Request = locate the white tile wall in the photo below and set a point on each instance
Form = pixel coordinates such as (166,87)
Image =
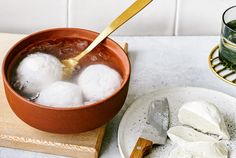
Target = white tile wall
(201,17)
(26,16)
(161,17)
(156,19)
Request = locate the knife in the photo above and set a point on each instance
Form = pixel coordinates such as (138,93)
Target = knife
(155,128)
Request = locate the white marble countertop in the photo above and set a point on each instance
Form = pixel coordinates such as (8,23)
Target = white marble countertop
(157,62)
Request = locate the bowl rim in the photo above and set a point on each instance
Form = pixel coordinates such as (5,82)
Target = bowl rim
(7,84)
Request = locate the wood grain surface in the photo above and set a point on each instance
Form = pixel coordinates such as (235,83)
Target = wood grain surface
(141,148)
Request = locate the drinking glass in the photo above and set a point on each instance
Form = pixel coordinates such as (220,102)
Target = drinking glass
(227,51)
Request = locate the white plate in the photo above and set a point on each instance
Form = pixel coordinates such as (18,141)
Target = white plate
(134,118)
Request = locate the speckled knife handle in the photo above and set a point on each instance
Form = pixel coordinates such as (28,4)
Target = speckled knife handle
(141,148)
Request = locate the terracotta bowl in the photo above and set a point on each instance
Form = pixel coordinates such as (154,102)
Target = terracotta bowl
(65,120)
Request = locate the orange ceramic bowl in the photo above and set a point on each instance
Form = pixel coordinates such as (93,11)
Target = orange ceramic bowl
(66,120)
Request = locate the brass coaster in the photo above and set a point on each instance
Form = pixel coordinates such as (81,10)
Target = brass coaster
(219,69)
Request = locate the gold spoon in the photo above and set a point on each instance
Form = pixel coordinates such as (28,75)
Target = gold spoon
(71,63)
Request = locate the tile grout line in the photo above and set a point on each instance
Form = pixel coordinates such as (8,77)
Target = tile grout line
(67,13)
(176,17)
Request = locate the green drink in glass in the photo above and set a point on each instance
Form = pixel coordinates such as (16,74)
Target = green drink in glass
(227,52)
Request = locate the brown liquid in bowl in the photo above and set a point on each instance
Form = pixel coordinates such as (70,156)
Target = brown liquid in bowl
(65,48)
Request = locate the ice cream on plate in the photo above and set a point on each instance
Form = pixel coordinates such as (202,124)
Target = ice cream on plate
(200,150)
(206,118)
(182,134)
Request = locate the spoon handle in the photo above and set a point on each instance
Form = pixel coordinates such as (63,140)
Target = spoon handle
(137,6)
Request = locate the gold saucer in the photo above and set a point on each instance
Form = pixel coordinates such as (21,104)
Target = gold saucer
(219,69)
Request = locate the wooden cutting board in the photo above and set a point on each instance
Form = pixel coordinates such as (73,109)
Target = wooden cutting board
(14,133)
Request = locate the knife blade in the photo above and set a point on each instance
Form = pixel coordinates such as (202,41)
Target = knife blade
(155,128)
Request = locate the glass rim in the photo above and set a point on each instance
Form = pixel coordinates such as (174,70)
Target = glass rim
(223,19)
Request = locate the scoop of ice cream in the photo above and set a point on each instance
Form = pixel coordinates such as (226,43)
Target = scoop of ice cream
(37,71)
(61,94)
(182,135)
(200,150)
(205,117)
(98,82)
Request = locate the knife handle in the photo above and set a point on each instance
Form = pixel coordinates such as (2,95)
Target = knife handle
(141,148)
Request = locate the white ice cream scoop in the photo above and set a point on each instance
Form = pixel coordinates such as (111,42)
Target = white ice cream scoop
(98,82)
(200,150)
(182,135)
(37,71)
(205,117)
(61,94)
